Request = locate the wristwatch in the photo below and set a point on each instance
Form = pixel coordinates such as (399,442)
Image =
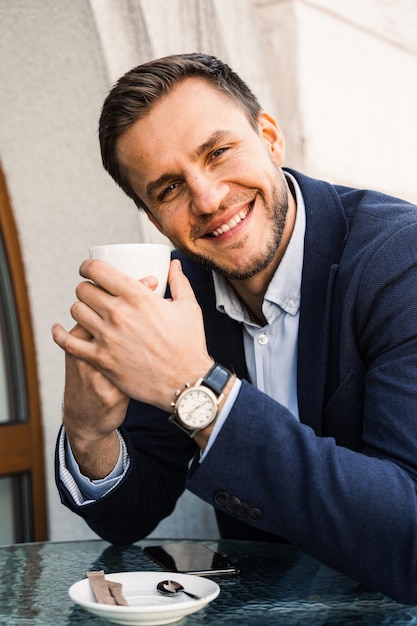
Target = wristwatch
(197,405)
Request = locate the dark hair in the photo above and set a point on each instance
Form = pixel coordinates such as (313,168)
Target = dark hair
(134,95)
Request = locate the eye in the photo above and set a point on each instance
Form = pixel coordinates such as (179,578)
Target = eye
(217,153)
(169,190)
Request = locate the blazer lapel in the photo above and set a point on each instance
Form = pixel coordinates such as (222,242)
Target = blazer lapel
(326,231)
(224,335)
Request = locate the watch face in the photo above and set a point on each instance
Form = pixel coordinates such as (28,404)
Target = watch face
(197,407)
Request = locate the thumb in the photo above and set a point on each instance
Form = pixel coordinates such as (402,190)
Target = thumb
(178,282)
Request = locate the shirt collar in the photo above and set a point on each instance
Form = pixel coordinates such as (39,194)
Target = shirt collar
(284,290)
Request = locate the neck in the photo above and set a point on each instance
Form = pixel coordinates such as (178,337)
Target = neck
(256,313)
(252,296)
(252,290)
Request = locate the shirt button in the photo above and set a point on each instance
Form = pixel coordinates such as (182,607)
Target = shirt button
(291,302)
(262,339)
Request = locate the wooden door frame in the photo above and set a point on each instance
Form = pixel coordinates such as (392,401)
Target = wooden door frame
(22,442)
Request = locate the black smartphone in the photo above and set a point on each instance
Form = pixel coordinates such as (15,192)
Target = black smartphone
(190,558)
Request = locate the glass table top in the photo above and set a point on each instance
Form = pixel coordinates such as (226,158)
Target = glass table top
(277,584)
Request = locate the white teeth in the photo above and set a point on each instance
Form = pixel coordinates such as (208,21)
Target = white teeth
(231,224)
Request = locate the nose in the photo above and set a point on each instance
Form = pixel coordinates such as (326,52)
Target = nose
(207,194)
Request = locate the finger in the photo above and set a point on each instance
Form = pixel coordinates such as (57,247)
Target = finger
(82,333)
(77,331)
(71,343)
(107,277)
(149,281)
(178,282)
(58,334)
(93,296)
(90,318)
(99,299)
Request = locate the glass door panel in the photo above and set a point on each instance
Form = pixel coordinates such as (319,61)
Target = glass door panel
(15,521)
(13,401)
(6,511)
(4,391)
(22,480)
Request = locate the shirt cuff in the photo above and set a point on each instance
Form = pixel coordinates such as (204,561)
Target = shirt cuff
(222,416)
(83,490)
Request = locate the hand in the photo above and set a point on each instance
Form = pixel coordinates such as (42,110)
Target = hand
(145,345)
(93,409)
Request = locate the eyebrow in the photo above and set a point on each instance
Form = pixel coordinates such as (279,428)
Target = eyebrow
(217,137)
(154,185)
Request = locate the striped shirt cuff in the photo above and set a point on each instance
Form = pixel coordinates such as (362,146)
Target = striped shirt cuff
(81,489)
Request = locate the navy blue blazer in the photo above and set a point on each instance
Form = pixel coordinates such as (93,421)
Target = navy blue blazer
(341,482)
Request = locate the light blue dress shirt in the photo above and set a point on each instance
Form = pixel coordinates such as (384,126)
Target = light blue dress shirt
(270,353)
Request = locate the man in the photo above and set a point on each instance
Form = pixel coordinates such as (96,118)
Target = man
(305,289)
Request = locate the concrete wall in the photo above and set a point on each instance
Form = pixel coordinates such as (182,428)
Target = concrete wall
(345,87)
(339,77)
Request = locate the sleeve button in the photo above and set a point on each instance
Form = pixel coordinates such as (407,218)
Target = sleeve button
(221,498)
(234,504)
(254,515)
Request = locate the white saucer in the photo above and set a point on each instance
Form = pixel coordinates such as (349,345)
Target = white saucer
(147,607)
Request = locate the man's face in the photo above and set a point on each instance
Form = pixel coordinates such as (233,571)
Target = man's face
(212,182)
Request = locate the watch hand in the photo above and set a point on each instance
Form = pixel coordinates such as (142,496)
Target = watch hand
(196,408)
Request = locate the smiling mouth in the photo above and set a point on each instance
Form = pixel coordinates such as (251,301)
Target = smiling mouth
(232,223)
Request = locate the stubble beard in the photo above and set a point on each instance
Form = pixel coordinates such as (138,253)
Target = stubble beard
(277,212)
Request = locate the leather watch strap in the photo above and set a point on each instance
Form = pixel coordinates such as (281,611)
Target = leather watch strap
(216,378)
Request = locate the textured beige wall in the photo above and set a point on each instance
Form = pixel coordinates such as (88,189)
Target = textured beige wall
(347,102)
(339,77)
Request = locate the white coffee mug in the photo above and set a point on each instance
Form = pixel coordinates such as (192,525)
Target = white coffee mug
(137,260)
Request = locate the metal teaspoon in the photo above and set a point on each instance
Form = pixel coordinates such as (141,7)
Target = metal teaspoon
(171,587)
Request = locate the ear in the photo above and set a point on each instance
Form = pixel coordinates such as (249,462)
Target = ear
(273,137)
